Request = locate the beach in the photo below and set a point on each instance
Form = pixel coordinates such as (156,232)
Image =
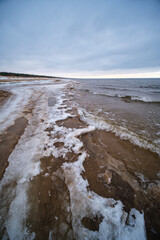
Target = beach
(79,159)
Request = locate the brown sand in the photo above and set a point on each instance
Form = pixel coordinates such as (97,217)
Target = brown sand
(4,96)
(9,140)
(114,177)
(49,196)
(110,170)
(11,136)
(110,174)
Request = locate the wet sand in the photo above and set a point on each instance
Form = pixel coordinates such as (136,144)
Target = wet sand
(110,173)
(111,169)
(4,96)
(9,140)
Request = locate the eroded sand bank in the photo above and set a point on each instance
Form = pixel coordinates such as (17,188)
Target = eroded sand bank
(68,180)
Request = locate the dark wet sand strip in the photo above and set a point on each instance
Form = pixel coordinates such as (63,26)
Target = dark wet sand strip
(9,140)
(50,202)
(4,96)
(110,170)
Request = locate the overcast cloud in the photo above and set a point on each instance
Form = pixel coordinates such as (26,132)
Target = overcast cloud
(78,36)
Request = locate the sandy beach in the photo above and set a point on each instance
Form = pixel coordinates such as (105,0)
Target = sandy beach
(64,178)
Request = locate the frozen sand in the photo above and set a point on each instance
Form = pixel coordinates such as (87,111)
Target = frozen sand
(49,188)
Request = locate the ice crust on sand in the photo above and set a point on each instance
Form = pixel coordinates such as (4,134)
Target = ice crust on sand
(12,109)
(88,204)
(26,81)
(67,136)
(85,203)
(21,95)
(24,164)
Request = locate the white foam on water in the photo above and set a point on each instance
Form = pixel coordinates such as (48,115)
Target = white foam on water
(121,132)
(144,99)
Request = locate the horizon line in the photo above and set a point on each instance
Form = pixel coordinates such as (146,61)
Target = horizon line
(70,76)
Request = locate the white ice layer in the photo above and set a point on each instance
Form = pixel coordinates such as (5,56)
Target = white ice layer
(17,82)
(88,204)
(1,77)
(83,202)
(12,109)
(24,164)
(21,96)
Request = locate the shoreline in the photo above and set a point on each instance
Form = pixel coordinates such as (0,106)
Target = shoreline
(74,151)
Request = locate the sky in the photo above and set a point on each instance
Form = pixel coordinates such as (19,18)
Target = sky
(81,38)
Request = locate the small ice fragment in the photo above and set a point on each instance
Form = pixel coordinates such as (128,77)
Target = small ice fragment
(51,235)
(22,180)
(100,110)
(158,174)
(49,193)
(46,174)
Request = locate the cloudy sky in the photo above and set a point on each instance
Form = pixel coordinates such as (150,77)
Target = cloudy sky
(88,38)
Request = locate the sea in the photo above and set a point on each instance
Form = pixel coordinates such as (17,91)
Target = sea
(129,107)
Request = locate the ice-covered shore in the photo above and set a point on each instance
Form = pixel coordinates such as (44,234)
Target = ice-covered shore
(39,141)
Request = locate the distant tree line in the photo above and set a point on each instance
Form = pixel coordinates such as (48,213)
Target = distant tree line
(10,74)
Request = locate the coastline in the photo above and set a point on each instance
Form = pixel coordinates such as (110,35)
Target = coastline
(82,173)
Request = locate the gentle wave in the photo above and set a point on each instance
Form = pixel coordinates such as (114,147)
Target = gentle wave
(120,89)
(121,132)
(139,99)
(150,86)
(141,90)
(126,98)
(115,88)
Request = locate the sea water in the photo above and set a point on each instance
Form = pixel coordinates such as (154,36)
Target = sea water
(128,107)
